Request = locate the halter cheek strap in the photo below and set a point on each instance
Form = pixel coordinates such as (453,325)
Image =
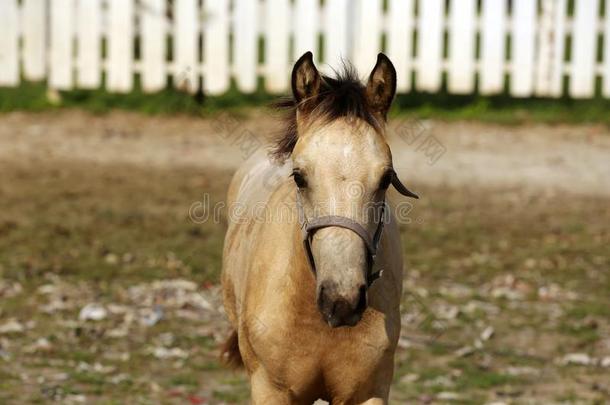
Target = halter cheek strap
(309,227)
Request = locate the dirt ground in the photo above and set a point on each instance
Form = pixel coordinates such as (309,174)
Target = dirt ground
(109,290)
(561,158)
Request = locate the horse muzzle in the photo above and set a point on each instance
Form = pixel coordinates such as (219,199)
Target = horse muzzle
(340,309)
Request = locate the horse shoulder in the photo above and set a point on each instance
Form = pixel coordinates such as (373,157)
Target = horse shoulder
(250,189)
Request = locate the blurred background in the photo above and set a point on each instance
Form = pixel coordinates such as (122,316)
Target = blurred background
(122,121)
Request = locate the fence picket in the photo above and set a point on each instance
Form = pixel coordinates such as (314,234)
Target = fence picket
(582,75)
(62,44)
(34,22)
(306,17)
(544,61)
(462,17)
(606,62)
(216,47)
(120,45)
(88,36)
(400,34)
(153,42)
(186,32)
(559,37)
(367,35)
(9,43)
(276,45)
(336,46)
(429,45)
(493,35)
(245,53)
(522,48)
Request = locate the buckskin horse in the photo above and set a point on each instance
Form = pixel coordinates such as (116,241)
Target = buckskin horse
(312,318)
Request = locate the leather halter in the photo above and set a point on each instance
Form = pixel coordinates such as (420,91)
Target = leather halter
(309,227)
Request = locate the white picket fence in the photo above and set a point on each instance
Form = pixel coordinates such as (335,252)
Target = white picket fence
(530,46)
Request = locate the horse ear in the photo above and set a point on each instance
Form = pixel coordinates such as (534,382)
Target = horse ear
(381,86)
(305,81)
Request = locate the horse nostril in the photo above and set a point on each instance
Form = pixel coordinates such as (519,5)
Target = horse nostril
(341,309)
(361,306)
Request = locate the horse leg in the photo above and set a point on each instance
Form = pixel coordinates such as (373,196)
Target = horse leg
(264,392)
(379,395)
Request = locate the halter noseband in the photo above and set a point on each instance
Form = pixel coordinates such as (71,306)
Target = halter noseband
(309,227)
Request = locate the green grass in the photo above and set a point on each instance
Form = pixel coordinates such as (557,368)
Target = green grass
(87,378)
(235,391)
(472,376)
(187,379)
(501,109)
(33,97)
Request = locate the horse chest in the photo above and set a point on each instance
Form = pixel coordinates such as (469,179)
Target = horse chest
(306,354)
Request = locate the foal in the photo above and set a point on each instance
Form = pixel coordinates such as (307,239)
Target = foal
(312,317)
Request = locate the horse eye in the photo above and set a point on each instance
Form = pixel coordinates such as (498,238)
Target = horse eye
(299,180)
(385,181)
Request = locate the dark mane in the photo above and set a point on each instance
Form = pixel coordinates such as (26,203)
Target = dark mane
(340,96)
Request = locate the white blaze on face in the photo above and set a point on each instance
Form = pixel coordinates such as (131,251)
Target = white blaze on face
(347,151)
